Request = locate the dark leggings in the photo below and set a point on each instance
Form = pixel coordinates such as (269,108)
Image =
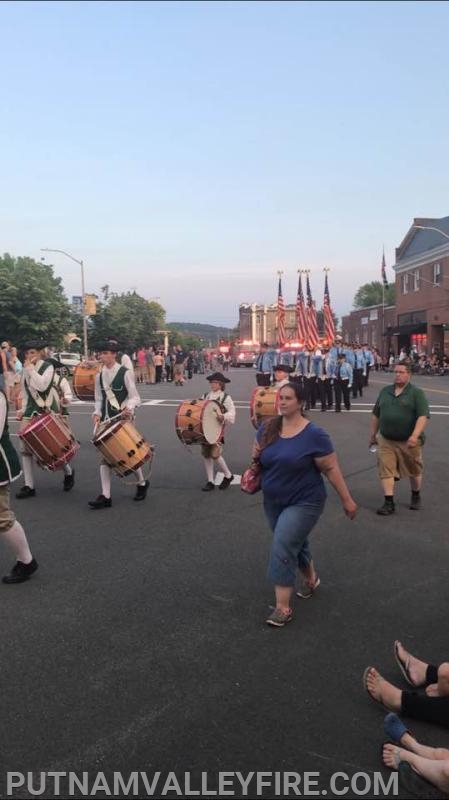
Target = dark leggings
(427,709)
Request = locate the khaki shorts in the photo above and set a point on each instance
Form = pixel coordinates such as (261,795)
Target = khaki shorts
(7,517)
(211,450)
(398,460)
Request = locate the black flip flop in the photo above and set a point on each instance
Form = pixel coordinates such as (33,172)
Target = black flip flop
(402,665)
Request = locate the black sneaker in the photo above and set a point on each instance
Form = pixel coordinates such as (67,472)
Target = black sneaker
(415,502)
(386,509)
(21,572)
(100,502)
(226,482)
(69,481)
(25,492)
(208,487)
(141,491)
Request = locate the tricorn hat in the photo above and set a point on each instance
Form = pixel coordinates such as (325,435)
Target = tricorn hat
(35,344)
(110,345)
(218,376)
(284,367)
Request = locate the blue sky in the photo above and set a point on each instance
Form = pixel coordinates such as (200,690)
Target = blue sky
(190,150)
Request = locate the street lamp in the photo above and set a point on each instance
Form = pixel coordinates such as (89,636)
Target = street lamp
(51,250)
(431,228)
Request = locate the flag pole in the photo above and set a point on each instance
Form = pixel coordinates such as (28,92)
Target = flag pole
(383,307)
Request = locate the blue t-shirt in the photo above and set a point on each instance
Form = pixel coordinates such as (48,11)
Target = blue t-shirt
(289,473)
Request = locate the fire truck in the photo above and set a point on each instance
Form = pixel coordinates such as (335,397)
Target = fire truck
(244,353)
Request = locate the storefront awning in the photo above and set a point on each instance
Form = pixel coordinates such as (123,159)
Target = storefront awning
(407,330)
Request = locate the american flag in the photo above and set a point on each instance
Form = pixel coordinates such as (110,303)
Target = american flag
(281,316)
(301,317)
(329,324)
(383,270)
(312,325)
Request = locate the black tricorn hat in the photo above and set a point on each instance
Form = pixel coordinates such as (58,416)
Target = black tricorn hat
(110,345)
(35,344)
(284,367)
(218,376)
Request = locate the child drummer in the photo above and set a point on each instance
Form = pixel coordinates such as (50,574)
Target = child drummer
(225,413)
(115,396)
(10,529)
(38,395)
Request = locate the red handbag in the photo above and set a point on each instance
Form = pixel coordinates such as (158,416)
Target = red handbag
(251,481)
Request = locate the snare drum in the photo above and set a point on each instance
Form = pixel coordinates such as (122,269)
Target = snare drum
(122,447)
(84,380)
(50,440)
(197,422)
(264,404)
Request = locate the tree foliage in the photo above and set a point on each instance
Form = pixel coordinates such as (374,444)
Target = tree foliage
(127,317)
(32,301)
(370,294)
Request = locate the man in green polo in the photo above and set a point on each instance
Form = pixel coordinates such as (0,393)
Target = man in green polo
(397,426)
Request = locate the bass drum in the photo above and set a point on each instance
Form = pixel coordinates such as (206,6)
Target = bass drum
(50,440)
(264,404)
(197,422)
(122,446)
(84,380)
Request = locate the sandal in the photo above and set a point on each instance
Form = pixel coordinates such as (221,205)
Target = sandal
(403,665)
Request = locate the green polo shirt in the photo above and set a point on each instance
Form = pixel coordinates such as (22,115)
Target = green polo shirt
(397,415)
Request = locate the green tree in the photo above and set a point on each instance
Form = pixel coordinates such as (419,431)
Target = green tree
(370,294)
(32,301)
(127,317)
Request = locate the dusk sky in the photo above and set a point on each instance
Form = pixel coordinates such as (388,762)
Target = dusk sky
(190,150)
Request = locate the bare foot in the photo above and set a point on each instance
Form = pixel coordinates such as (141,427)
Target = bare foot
(381,690)
(413,670)
(392,756)
(432,690)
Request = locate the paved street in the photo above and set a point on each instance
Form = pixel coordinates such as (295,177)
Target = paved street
(140,645)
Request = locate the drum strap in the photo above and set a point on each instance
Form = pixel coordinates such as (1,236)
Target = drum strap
(112,400)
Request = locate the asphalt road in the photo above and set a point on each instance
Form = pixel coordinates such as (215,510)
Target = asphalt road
(140,645)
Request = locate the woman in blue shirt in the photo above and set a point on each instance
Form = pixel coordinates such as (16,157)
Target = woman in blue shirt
(294,453)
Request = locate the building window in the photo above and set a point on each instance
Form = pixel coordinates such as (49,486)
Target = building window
(405,283)
(416,277)
(437,274)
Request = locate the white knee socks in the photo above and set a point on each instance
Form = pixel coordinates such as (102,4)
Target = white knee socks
(140,478)
(27,466)
(221,463)
(209,465)
(105,477)
(17,542)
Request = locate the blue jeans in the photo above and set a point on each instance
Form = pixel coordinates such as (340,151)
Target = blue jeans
(291,526)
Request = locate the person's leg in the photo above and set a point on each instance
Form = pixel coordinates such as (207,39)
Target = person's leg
(434,771)
(293,526)
(439,688)
(338,394)
(221,464)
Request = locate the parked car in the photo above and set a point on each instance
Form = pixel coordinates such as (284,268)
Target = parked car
(69,362)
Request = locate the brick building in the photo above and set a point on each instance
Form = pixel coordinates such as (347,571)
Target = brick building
(422,286)
(373,325)
(259,323)
(420,317)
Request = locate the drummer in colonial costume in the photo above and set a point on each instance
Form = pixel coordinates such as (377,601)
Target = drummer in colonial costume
(225,413)
(115,396)
(38,395)
(10,529)
(281,375)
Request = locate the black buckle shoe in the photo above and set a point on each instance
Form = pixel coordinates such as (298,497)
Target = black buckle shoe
(69,481)
(21,572)
(100,502)
(226,482)
(208,487)
(25,492)
(141,491)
